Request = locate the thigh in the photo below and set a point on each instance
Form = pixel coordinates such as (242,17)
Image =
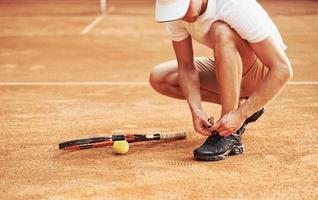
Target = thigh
(168,72)
(206,69)
(253,78)
(250,80)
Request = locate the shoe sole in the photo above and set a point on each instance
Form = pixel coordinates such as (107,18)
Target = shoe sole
(235,150)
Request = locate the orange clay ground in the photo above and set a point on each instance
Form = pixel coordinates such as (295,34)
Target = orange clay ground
(40,41)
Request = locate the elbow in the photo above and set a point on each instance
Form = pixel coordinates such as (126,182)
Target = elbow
(285,72)
(288,71)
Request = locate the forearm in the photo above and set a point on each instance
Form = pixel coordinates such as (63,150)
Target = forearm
(190,85)
(188,75)
(272,84)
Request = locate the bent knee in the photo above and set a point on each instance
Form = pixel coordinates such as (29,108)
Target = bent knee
(158,77)
(285,71)
(164,75)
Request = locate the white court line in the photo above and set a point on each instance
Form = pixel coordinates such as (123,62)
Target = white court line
(71,83)
(89,27)
(302,83)
(109,83)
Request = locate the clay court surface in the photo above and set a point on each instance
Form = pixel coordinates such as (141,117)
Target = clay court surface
(58,84)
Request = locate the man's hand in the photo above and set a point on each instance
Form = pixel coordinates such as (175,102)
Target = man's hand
(228,124)
(201,123)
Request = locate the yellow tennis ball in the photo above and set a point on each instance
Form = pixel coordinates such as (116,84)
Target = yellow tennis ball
(121,147)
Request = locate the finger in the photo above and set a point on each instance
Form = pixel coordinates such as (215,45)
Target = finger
(217,126)
(204,132)
(207,124)
(211,120)
(228,133)
(225,133)
(207,133)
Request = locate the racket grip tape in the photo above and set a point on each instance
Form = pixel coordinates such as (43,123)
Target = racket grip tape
(173,136)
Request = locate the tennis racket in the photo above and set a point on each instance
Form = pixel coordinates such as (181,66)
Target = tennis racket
(96,142)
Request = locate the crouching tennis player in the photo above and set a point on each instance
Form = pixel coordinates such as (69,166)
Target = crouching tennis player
(249,68)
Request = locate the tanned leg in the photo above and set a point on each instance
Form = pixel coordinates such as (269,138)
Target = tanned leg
(229,49)
(232,52)
(164,79)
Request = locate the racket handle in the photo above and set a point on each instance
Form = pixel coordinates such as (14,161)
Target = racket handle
(173,136)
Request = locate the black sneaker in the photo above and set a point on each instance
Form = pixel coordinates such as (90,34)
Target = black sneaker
(217,147)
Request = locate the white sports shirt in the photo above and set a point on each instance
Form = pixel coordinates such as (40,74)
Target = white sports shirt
(246,17)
